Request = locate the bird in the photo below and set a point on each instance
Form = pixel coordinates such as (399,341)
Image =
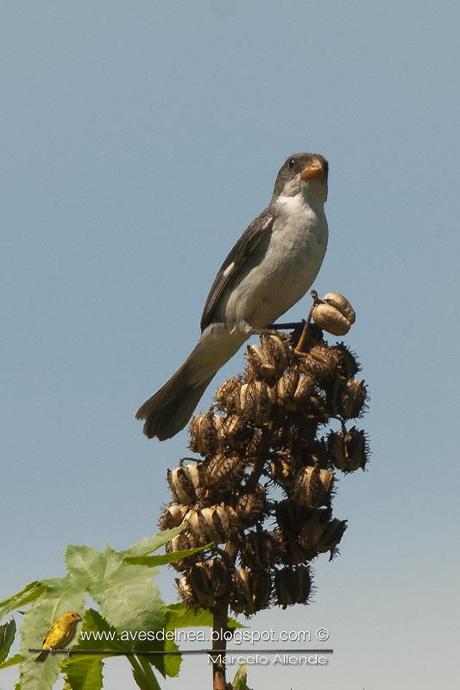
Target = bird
(268,270)
(59,634)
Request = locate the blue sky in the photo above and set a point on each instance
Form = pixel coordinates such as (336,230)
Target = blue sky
(138,140)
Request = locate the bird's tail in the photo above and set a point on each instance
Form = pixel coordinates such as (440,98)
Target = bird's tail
(42,656)
(170,408)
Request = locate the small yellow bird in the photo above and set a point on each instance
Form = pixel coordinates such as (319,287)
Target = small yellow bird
(60,633)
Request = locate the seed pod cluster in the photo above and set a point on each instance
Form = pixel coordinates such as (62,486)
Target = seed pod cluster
(270,463)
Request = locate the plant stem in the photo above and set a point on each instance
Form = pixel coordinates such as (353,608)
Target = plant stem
(219,644)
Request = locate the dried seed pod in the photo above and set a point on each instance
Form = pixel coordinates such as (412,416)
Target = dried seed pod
(219,576)
(292,585)
(348,449)
(342,305)
(278,348)
(254,401)
(249,507)
(312,487)
(214,523)
(172,516)
(205,583)
(185,590)
(296,430)
(226,394)
(223,471)
(282,470)
(290,516)
(320,534)
(183,483)
(320,361)
(234,432)
(293,389)
(330,319)
(258,550)
(201,585)
(352,399)
(317,408)
(286,388)
(348,365)
(204,430)
(183,541)
(251,591)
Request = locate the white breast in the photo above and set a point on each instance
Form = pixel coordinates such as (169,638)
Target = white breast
(286,268)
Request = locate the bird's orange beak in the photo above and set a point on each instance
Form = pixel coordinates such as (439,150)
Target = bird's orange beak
(315,170)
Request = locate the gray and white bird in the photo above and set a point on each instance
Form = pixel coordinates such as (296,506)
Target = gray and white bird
(269,269)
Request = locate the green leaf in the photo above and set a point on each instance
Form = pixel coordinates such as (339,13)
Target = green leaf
(143,674)
(85,672)
(7,633)
(61,595)
(30,592)
(12,661)
(86,565)
(181,616)
(128,598)
(153,543)
(164,559)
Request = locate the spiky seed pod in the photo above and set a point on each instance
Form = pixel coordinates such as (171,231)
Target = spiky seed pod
(312,487)
(254,401)
(223,471)
(204,432)
(348,449)
(316,453)
(293,389)
(219,576)
(181,542)
(280,349)
(341,303)
(290,516)
(249,507)
(234,432)
(292,585)
(269,359)
(259,365)
(320,361)
(201,585)
(317,408)
(282,470)
(225,394)
(205,583)
(214,523)
(258,550)
(172,516)
(186,482)
(320,534)
(348,365)
(286,388)
(251,591)
(297,430)
(304,389)
(185,590)
(352,399)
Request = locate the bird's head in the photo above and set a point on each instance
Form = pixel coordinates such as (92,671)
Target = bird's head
(304,173)
(71,617)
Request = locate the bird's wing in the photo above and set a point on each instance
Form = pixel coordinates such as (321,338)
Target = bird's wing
(50,634)
(235,260)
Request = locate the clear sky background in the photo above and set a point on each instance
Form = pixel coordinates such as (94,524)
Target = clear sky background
(138,139)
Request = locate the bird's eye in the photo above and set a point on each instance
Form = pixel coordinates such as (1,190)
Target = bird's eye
(291,163)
